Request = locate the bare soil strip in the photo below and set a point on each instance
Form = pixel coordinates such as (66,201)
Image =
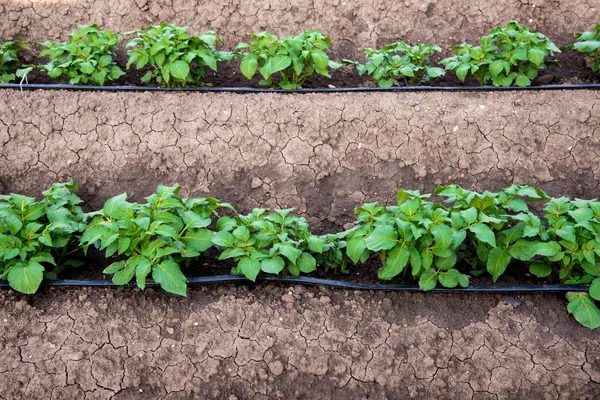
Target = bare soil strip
(275,341)
(323,154)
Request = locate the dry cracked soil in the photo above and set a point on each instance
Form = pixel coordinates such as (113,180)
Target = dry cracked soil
(324,155)
(276,341)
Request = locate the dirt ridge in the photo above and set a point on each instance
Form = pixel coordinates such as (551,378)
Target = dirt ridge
(277,341)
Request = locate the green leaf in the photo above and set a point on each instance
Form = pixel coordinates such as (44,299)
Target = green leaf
(449,278)
(223,239)
(248,66)
(13,222)
(170,278)
(306,263)
(445,263)
(567,232)
(273,265)
(86,68)
(595,289)
(540,270)
(290,252)
(26,278)
(123,276)
(114,267)
(198,239)
(180,70)
(483,233)
(442,235)
(435,72)
(587,46)
(523,250)
(536,56)
(384,237)
(547,249)
(320,59)
(461,72)
(498,260)
(428,280)
(522,81)
(113,207)
(280,63)
(583,308)
(469,215)
(415,261)
(250,267)
(496,67)
(142,270)
(355,247)
(315,243)
(395,262)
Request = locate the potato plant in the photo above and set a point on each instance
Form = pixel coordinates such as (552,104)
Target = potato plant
(588,43)
(294,59)
(508,55)
(154,238)
(400,62)
(38,238)
(85,58)
(272,243)
(498,226)
(9,60)
(176,57)
(416,233)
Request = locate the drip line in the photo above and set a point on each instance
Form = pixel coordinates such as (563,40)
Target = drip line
(307,280)
(35,86)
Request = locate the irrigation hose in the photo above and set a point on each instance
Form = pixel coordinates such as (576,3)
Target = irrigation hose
(34,86)
(334,283)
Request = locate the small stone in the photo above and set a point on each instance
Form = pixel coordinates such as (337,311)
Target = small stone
(276,368)
(256,183)
(195,324)
(170,331)
(511,301)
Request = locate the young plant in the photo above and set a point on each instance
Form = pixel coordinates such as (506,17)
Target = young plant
(37,237)
(272,243)
(295,59)
(85,58)
(588,43)
(497,227)
(574,226)
(417,232)
(154,237)
(509,55)
(9,60)
(399,61)
(176,57)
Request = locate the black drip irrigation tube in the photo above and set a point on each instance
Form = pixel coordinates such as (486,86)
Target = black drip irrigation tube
(307,280)
(35,86)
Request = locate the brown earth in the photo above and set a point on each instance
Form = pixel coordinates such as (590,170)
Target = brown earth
(273,341)
(323,154)
(352,24)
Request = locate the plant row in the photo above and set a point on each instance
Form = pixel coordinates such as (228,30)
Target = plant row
(469,234)
(171,57)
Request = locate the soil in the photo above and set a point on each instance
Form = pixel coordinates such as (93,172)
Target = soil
(273,341)
(323,154)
